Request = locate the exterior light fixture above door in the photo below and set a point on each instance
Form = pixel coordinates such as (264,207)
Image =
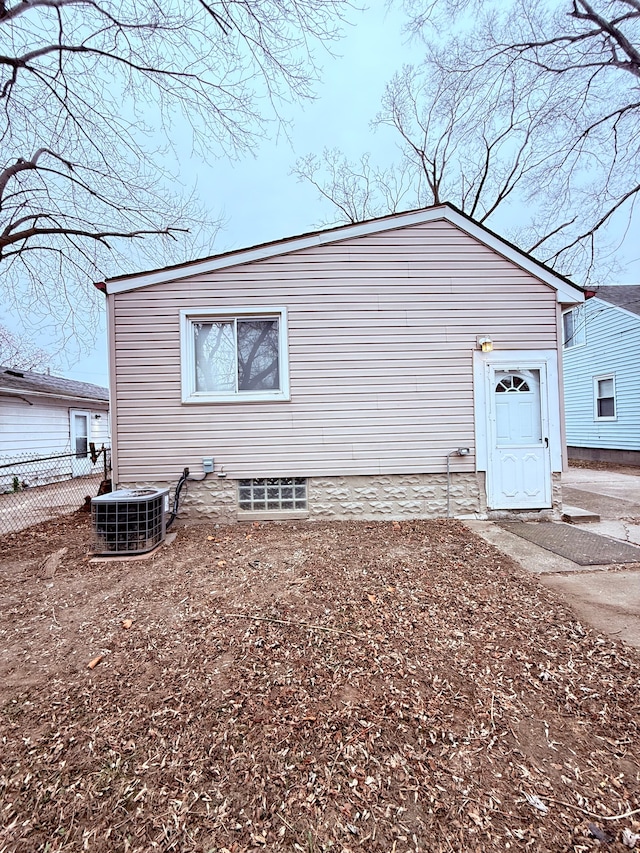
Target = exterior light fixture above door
(484,343)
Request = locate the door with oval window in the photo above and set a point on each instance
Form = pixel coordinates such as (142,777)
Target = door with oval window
(519,470)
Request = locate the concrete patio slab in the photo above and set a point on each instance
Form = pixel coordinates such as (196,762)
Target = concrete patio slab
(610,601)
(605,596)
(575,515)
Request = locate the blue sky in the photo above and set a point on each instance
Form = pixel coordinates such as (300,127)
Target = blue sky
(258,197)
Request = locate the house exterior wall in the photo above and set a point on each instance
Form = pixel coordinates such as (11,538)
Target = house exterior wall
(43,429)
(612,347)
(100,429)
(381,334)
(39,429)
(364,498)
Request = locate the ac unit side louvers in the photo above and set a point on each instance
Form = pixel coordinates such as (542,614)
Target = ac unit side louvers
(128,521)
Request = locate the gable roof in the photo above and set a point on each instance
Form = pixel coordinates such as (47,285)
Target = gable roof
(26,382)
(567,291)
(622,296)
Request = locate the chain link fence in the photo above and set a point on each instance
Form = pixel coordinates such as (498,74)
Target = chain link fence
(34,489)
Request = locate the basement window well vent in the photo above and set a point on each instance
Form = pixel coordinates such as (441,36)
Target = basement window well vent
(278,494)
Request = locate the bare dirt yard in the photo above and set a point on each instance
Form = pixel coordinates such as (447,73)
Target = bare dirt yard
(306,687)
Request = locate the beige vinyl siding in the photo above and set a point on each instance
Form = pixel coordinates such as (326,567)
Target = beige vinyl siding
(381,332)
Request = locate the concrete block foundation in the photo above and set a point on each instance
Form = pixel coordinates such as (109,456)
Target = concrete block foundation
(391,497)
(369,498)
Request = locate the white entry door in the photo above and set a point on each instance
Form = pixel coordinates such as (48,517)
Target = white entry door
(80,426)
(519,465)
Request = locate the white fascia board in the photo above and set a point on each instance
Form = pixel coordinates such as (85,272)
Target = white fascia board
(566,293)
(271,250)
(569,296)
(88,401)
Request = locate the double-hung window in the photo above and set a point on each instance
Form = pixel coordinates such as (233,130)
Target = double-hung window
(604,389)
(573,328)
(234,354)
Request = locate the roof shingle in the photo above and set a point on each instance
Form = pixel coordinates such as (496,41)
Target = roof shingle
(622,295)
(25,381)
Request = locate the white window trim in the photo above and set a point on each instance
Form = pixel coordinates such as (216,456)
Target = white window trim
(597,379)
(579,340)
(189,316)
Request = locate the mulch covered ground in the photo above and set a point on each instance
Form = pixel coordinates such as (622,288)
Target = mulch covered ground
(310,687)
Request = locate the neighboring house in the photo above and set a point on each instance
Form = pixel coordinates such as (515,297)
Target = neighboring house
(602,375)
(45,416)
(338,373)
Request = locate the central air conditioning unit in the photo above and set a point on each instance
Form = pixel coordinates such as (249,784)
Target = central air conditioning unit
(129,521)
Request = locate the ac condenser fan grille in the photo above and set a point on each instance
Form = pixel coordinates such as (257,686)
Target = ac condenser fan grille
(128,521)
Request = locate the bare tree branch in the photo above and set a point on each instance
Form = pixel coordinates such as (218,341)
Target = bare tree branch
(524,110)
(96,88)
(20,353)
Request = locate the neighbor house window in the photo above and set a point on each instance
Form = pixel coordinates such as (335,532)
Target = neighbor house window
(272,493)
(573,333)
(605,397)
(234,354)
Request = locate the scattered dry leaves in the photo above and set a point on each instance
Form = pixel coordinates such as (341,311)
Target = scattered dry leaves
(307,687)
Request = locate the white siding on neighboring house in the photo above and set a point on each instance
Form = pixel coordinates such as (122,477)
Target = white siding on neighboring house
(99,427)
(44,427)
(36,437)
(612,348)
(39,429)
(381,334)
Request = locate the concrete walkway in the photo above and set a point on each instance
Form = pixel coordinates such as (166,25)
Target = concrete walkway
(605,596)
(613,495)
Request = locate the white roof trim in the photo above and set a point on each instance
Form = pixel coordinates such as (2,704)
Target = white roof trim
(27,392)
(566,293)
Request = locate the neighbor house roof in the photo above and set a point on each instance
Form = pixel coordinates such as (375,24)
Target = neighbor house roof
(622,295)
(567,291)
(26,383)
